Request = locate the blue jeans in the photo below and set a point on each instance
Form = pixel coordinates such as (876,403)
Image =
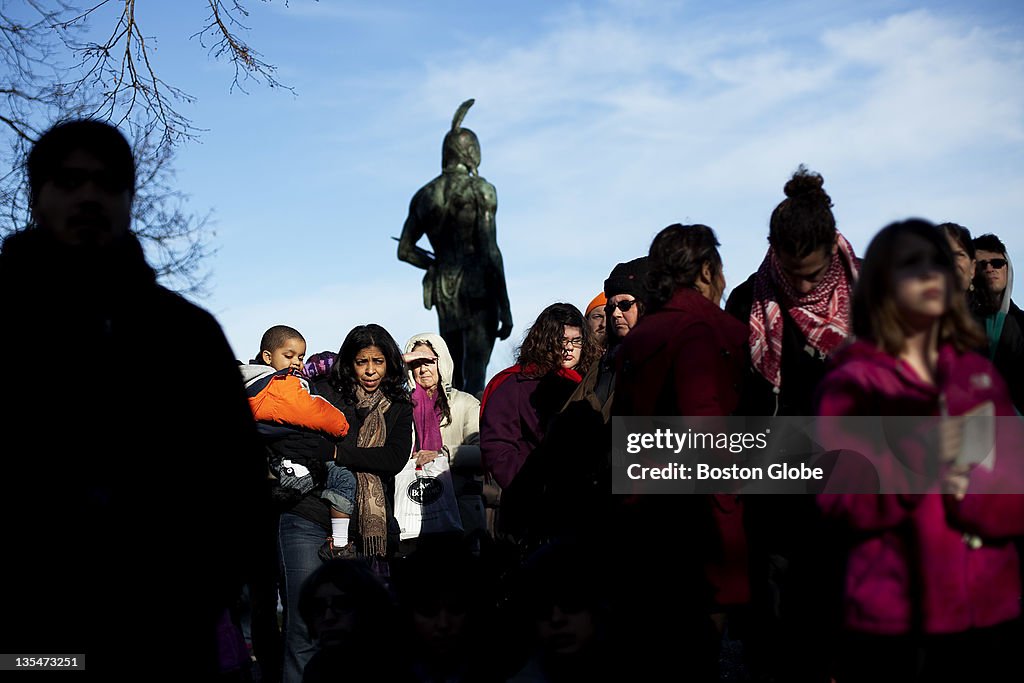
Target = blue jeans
(298,541)
(340,491)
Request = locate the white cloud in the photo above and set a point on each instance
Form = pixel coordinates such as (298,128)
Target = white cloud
(601,125)
(609,123)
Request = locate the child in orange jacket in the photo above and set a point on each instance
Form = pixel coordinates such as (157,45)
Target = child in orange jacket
(281,403)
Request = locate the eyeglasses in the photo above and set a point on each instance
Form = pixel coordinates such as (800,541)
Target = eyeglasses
(575,342)
(622,306)
(996,263)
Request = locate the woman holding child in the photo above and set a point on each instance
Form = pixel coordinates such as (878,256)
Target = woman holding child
(368,384)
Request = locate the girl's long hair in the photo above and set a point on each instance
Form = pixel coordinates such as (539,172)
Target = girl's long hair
(875,316)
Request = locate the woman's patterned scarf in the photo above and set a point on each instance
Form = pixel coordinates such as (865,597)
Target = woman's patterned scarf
(371,505)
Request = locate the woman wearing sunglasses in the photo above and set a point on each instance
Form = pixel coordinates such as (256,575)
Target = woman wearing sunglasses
(1003,320)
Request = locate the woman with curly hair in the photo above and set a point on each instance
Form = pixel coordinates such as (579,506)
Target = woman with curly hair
(519,401)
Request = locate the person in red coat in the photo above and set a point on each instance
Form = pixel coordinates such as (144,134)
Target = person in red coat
(687,357)
(932,588)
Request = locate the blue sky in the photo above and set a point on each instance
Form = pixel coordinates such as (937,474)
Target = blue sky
(600,123)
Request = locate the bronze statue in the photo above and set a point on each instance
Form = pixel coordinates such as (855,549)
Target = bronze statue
(465,277)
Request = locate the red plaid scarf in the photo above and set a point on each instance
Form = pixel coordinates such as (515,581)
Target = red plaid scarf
(823,314)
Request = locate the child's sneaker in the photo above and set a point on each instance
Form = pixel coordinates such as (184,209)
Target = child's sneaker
(329,552)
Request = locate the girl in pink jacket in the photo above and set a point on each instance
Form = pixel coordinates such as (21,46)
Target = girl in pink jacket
(932,585)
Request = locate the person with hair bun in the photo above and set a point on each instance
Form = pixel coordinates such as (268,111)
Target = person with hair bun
(797,304)
(797,307)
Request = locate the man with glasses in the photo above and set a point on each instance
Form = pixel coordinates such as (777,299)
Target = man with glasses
(625,290)
(1003,320)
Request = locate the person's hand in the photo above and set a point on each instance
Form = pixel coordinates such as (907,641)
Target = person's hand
(505,327)
(956,481)
(951,437)
(423,457)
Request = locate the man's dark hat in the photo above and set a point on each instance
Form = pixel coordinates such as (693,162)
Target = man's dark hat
(628,278)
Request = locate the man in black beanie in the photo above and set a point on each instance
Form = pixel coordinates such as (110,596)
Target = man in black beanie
(563,489)
(626,291)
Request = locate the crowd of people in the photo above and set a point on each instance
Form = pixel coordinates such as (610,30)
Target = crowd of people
(158,524)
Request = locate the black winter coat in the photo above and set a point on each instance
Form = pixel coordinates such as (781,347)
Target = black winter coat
(132,494)
(801,371)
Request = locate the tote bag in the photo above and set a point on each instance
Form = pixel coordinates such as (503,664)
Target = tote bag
(425,501)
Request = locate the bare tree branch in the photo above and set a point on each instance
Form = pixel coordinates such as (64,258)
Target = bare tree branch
(57,69)
(248,63)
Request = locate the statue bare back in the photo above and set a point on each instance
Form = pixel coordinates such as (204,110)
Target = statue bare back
(465,278)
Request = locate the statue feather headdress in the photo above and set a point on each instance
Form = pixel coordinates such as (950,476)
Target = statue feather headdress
(460,114)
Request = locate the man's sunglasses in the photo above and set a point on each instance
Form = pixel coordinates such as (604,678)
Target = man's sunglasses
(997,263)
(622,306)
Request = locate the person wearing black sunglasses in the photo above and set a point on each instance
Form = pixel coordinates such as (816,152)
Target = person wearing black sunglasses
(625,290)
(1003,320)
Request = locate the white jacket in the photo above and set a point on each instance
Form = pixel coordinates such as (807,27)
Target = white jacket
(461,436)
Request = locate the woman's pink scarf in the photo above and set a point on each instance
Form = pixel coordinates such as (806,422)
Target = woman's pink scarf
(426,415)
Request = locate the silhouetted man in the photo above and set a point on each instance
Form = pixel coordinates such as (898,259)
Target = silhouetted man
(133,471)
